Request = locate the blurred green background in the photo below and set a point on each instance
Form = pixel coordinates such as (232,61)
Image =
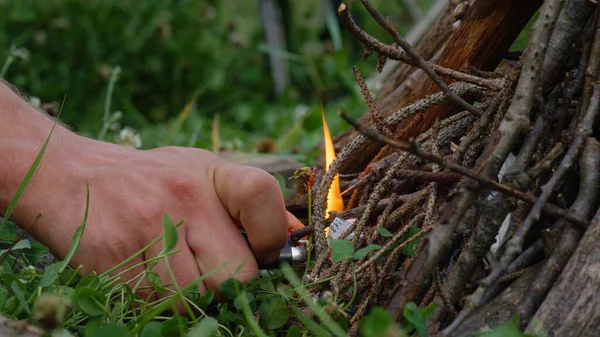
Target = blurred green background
(171,52)
(211,54)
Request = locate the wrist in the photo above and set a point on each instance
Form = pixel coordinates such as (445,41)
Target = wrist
(24,131)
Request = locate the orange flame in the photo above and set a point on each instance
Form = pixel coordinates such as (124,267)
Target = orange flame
(334,197)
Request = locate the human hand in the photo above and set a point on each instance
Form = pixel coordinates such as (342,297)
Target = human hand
(131,190)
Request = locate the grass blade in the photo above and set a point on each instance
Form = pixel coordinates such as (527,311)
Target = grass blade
(30,172)
(76,240)
(326,320)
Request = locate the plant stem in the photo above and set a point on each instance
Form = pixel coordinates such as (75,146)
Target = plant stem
(111,85)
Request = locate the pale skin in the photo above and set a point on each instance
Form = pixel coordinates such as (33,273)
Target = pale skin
(130,191)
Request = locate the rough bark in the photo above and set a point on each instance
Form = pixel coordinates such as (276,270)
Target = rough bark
(475,43)
(572,308)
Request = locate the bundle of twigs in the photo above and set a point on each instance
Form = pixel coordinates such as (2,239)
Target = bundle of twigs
(440,173)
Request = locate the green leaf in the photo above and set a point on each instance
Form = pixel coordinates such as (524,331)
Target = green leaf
(171,235)
(23,244)
(50,275)
(169,301)
(36,254)
(313,326)
(376,323)
(341,250)
(428,310)
(112,330)
(89,281)
(11,305)
(230,288)
(8,233)
(294,331)
(384,232)
(155,282)
(76,240)
(176,326)
(409,249)
(273,313)
(207,327)
(415,318)
(206,299)
(237,302)
(364,251)
(20,296)
(90,301)
(323,316)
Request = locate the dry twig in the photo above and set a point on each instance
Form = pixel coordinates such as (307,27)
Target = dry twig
(393,53)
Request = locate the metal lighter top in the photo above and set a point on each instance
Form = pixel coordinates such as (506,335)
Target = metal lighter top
(295,255)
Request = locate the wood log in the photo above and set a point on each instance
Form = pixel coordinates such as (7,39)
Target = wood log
(501,309)
(475,43)
(572,308)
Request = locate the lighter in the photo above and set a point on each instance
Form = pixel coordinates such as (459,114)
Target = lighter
(295,255)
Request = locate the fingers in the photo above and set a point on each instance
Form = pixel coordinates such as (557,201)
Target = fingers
(217,243)
(293,222)
(182,263)
(252,197)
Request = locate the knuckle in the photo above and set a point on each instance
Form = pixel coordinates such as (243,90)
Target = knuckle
(257,183)
(181,186)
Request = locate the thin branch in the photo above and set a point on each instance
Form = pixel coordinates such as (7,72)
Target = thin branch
(585,129)
(583,207)
(393,53)
(377,117)
(418,60)
(489,183)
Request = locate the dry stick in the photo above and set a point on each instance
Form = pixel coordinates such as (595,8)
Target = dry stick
(379,190)
(567,30)
(517,117)
(404,209)
(391,242)
(412,176)
(408,206)
(444,298)
(480,126)
(383,217)
(375,170)
(534,251)
(547,161)
(433,186)
(417,59)
(393,53)
(414,35)
(489,183)
(591,72)
(377,117)
(425,176)
(396,252)
(584,130)
(319,202)
(493,214)
(583,207)
(528,258)
(358,211)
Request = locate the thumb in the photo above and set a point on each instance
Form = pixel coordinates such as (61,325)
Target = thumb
(252,197)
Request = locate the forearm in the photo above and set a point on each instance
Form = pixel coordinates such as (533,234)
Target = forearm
(23,131)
